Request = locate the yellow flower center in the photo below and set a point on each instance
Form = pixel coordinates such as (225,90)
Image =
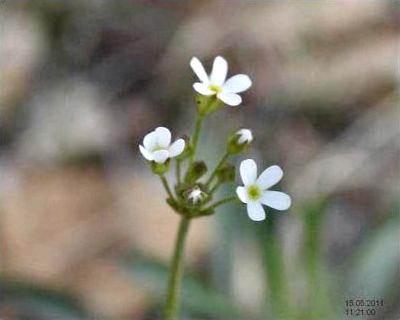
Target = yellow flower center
(215,88)
(254,192)
(157,148)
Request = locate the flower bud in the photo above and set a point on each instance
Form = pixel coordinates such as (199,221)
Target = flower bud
(195,195)
(240,141)
(226,173)
(196,171)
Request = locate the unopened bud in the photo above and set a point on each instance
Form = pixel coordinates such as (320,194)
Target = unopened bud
(196,195)
(239,141)
(226,173)
(196,171)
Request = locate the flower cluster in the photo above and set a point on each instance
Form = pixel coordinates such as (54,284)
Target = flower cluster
(192,194)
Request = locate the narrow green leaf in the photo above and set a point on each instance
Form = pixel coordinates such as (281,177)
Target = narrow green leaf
(30,301)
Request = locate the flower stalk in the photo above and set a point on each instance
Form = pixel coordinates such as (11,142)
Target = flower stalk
(219,165)
(178,171)
(175,271)
(195,139)
(221,202)
(166,186)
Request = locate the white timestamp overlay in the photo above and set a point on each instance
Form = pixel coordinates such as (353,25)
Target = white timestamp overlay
(363,307)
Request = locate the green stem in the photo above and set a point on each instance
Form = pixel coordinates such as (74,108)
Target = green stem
(175,272)
(166,186)
(275,272)
(212,190)
(195,138)
(221,202)
(219,165)
(313,259)
(178,171)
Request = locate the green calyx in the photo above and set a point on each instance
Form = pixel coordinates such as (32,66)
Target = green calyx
(160,168)
(234,147)
(207,104)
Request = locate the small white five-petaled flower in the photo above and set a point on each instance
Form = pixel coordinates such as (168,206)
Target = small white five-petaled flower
(196,195)
(254,192)
(245,136)
(157,146)
(215,84)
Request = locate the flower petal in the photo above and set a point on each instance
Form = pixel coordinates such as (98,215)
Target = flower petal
(242,194)
(219,71)
(248,171)
(231,99)
(146,154)
(245,136)
(176,148)
(198,69)
(160,156)
(255,211)
(202,89)
(163,136)
(276,199)
(150,141)
(269,177)
(238,83)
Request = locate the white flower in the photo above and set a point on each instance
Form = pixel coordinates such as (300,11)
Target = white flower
(157,146)
(245,136)
(196,195)
(215,84)
(255,193)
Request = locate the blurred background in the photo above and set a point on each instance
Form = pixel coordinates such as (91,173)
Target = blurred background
(84,229)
